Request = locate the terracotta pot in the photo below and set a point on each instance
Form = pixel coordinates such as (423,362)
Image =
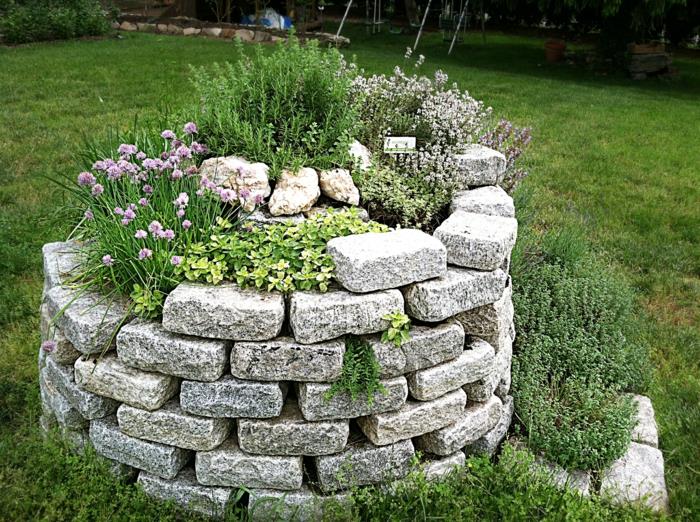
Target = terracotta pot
(554,50)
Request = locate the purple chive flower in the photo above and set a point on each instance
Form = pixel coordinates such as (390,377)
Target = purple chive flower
(244,193)
(125,221)
(48,346)
(190,128)
(258,199)
(177,174)
(145,253)
(140,234)
(227,195)
(176,143)
(155,228)
(191,170)
(167,134)
(184,152)
(97,189)
(107,260)
(198,148)
(186,224)
(89,215)
(168,234)
(86,179)
(175,260)
(119,211)
(200,192)
(126,149)
(148,189)
(141,156)
(143,202)
(181,213)
(182,200)
(129,214)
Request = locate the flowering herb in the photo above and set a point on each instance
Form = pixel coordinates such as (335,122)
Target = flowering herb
(511,141)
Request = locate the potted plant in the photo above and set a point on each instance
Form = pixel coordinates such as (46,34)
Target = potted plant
(554,50)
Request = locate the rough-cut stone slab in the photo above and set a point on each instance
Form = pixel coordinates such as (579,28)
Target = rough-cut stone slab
(315,406)
(231,397)
(429,346)
(492,201)
(90,405)
(261,217)
(390,357)
(146,345)
(109,377)
(413,419)
(61,261)
(290,434)
(474,422)
(88,320)
(159,459)
(224,312)
(477,240)
(457,291)
(475,363)
(170,425)
(483,389)
(379,261)
(265,505)
(64,352)
(228,465)
(283,359)
(575,480)
(478,166)
(490,321)
(185,491)
(637,476)
(489,442)
(57,407)
(316,317)
(645,430)
(363,463)
(437,468)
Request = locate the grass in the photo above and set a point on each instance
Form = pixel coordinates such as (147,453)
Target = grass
(615,158)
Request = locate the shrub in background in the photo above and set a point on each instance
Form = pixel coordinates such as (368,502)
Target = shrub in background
(288,108)
(36,20)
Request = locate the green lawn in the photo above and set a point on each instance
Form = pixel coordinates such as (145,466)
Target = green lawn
(620,159)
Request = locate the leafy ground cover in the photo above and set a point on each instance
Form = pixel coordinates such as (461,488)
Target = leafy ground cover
(612,158)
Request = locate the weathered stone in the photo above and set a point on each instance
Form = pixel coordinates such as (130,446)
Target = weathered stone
(146,345)
(490,321)
(413,419)
(304,505)
(185,491)
(56,406)
(261,217)
(458,290)
(159,459)
(476,240)
(64,352)
(390,357)
(503,388)
(637,476)
(378,261)
(128,26)
(228,32)
(575,480)
(90,405)
(283,359)
(191,31)
(316,317)
(473,423)
(489,442)
(436,468)
(315,405)
(162,28)
(228,465)
(245,35)
(224,312)
(291,434)
(61,263)
(363,463)
(429,346)
(109,377)
(337,184)
(146,28)
(360,155)
(294,192)
(211,31)
(231,397)
(88,320)
(645,430)
(473,364)
(172,426)
(262,36)
(249,180)
(174,29)
(492,201)
(483,389)
(478,166)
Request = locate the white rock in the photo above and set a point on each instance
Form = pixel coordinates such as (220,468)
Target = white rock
(249,180)
(476,240)
(645,430)
(478,166)
(360,155)
(294,192)
(436,468)
(379,261)
(492,201)
(191,31)
(212,31)
(61,263)
(109,377)
(337,184)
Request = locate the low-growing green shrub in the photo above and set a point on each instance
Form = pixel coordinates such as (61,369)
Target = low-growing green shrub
(289,108)
(36,20)
(399,328)
(284,256)
(361,372)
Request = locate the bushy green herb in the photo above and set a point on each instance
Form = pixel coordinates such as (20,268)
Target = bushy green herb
(361,371)
(283,256)
(398,331)
(288,109)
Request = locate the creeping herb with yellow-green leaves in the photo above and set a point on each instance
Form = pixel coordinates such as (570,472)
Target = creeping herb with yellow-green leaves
(398,331)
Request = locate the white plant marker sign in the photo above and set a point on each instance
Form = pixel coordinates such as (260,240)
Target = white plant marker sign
(399,144)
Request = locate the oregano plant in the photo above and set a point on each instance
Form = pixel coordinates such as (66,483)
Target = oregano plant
(398,331)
